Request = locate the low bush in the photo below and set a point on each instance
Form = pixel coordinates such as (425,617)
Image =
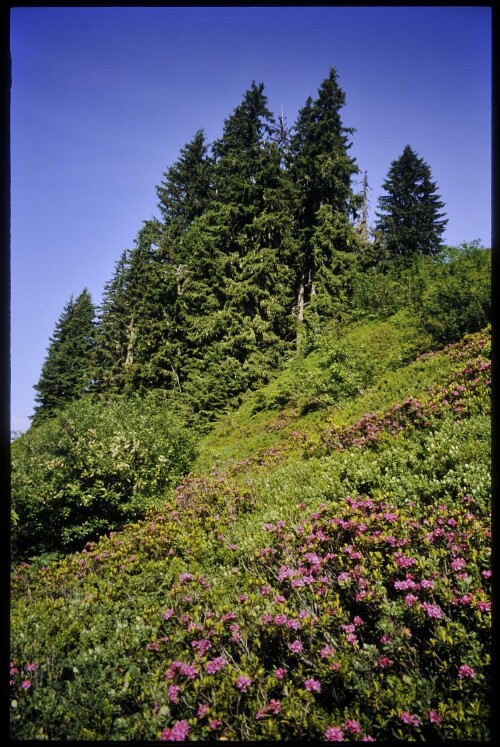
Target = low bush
(91,469)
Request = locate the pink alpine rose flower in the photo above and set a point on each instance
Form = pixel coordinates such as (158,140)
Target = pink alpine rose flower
(334,734)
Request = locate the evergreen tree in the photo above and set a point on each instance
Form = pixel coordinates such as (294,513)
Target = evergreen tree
(186,190)
(322,171)
(67,370)
(410,221)
(238,285)
(137,342)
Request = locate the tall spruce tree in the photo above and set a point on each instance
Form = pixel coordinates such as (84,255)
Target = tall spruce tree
(185,192)
(410,221)
(238,287)
(322,171)
(67,370)
(137,347)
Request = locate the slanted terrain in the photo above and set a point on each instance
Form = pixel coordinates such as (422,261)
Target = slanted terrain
(322,572)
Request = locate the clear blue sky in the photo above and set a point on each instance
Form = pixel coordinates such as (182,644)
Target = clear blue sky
(103,99)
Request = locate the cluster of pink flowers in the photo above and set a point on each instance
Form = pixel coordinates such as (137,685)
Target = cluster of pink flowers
(186,670)
(466,672)
(202,710)
(327,651)
(215,665)
(409,718)
(273,707)
(173,693)
(433,610)
(458,563)
(334,734)
(384,662)
(402,561)
(314,686)
(177,733)
(243,683)
(201,646)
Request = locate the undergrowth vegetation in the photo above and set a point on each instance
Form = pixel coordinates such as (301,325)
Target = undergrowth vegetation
(323,573)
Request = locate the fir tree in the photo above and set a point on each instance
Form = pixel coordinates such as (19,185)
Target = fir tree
(137,341)
(186,190)
(238,284)
(410,221)
(67,370)
(322,171)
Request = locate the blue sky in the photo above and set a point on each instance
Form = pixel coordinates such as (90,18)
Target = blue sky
(103,99)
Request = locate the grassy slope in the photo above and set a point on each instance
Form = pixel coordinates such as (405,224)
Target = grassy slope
(94,627)
(382,355)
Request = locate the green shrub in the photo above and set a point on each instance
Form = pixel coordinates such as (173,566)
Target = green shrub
(458,300)
(91,469)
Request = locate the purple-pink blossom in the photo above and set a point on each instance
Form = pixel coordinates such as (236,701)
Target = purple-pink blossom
(280,619)
(327,651)
(352,726)
(457,564)
(201,646)
(403,561)
(409,718)
(466,672)
(274,706)
(177,733)
(279,673)
(314,686)
(295,646)
(410,600)
(173,693)
(434,717)
(243,683)
(334,734)
(384,662)
(214,665)
(433,610)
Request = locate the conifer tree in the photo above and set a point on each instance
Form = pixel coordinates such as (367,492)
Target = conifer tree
(410,221)
(238,286)
(67,370)
(137,346)
(185,192)
(322,171)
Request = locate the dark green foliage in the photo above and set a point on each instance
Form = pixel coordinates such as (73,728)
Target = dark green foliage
(138,345)
(185,192)
(237,292)
(457,299)
(93,468)
(67,372)
(410,221)
(322,170)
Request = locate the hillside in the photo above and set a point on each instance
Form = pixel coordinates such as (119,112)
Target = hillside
(322,572)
